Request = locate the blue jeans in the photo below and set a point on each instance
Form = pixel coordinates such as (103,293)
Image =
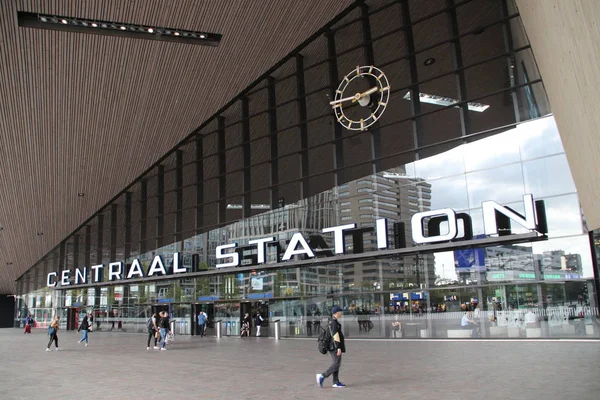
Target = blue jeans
(163,336)
(84,336)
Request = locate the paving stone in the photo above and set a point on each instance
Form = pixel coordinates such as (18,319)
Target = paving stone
(118,366)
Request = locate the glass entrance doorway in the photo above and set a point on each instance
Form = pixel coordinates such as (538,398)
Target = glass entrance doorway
(209,309)
(253,308)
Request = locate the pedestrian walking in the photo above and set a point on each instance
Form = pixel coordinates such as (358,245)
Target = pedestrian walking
(84,327)
(28,323)
(153,332)
(258,320)
(245,331)
(53,333)
(164,329)
(202,320)
(91,322)
(336,348)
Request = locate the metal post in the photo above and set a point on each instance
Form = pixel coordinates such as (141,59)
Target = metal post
(277,329)
(217,325)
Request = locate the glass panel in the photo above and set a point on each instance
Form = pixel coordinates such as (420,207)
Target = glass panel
(548,176)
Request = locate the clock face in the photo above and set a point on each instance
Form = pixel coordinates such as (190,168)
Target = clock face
(361,98)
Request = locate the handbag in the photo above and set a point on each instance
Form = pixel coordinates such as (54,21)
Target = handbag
(170,338)
(157,335)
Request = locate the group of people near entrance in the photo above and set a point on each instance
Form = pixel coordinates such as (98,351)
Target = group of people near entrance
(247,324)
(159,327)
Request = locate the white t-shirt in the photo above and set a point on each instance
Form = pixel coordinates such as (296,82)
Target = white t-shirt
(530,318)
(464,321)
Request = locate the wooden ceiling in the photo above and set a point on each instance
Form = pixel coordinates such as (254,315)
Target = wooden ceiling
(88,114)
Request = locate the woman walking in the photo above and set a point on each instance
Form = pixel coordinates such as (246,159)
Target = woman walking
(84,327)
(53,332)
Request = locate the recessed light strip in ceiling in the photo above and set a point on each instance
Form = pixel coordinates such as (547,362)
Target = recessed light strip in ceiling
(97,27)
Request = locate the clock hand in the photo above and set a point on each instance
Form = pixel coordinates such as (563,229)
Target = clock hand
(344,99)
(364,94)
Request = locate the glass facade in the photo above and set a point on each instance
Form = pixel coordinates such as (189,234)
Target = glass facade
(467,121)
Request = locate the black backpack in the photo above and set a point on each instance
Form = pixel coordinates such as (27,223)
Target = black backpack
(323,339)
(150,325)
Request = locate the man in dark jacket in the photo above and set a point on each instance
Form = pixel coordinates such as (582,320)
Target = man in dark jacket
(336,349)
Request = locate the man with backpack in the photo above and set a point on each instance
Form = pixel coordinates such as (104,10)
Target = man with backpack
(335,346)
(152,332)
(201,323)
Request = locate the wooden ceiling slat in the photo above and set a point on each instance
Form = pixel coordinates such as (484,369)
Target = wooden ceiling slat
(87,113)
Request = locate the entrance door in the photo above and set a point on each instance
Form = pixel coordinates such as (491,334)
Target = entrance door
(72,321)
(209,309)
(158,308)
(251,308)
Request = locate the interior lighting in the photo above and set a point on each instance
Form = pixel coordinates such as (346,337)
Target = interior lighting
(252,206)
(80,194)
(86,25)
(446,101)
(40,233)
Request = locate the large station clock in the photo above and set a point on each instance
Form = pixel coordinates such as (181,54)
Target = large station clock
(361,98)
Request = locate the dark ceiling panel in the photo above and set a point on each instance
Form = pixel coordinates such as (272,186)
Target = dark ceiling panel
(89,113)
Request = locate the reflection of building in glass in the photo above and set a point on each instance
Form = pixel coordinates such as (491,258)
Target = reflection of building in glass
(396,197)
(308,216)
(515,262)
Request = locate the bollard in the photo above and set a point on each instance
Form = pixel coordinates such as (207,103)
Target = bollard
(277,329)
(218,328)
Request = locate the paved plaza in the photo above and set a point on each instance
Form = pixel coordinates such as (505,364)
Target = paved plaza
(118,366)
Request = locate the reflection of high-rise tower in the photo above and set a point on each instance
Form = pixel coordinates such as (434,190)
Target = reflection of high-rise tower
(396,197)
(308,216)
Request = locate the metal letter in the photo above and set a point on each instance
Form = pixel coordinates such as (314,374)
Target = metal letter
(97,268)
(115,274)
(176,264)
(338,236)
(66,274)
(382,233)
(235,257)
(291,249)
(490,208)
(418,233)
(157,266)
(261,245)
(49,279)
(135,269)
(81,277)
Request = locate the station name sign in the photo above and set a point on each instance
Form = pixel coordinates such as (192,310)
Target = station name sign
(427,227)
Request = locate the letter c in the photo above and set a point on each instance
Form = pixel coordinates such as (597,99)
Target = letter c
(49,279)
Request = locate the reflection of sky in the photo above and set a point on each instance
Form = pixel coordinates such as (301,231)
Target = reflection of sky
(527,159)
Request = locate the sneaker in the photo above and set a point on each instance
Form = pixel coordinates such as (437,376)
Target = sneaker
(339,384)
(156,347)
(320,379)
(47,349)
(147,348)
(163,348)
(58,349)
(86,345)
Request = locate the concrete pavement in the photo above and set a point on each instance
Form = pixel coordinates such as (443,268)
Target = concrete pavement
(118,366)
